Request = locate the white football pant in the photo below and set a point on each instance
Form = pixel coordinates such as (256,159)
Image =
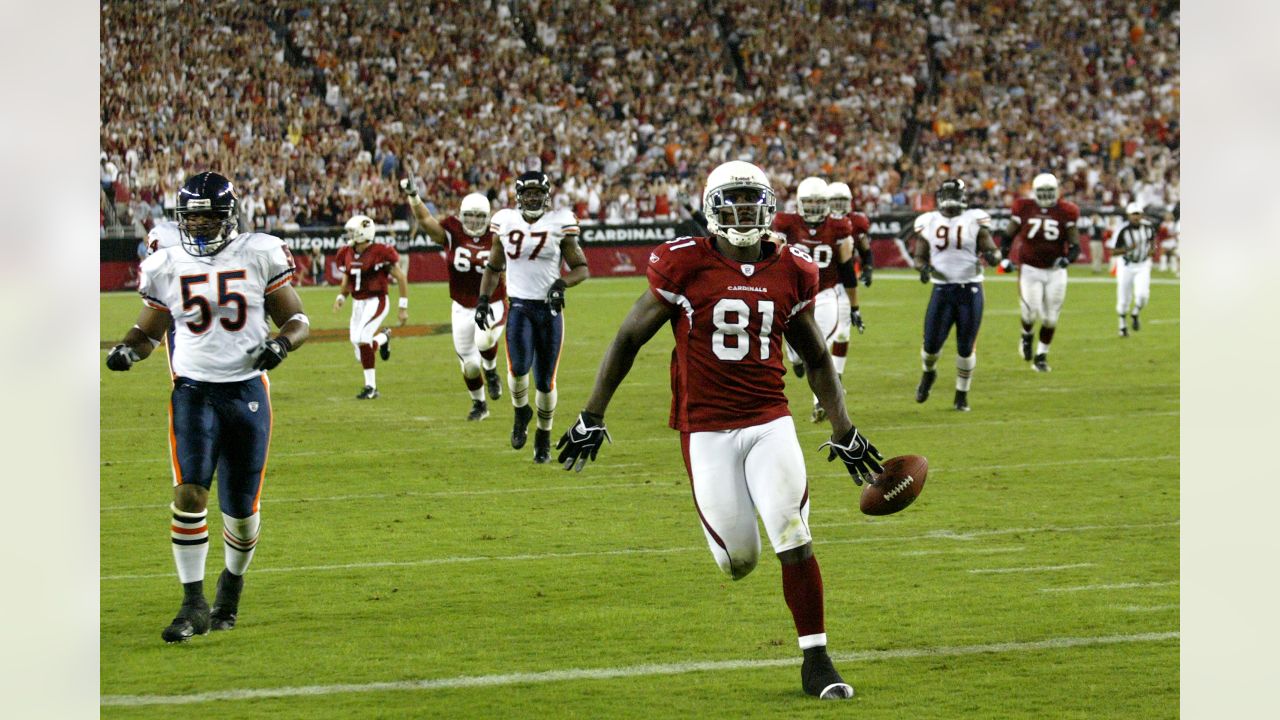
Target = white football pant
(1133,284)
(366,318)
(469,340)
(1042,292)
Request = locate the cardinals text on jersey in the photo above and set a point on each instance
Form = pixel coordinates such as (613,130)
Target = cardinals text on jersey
(953,244)
(217,303)
(533,249)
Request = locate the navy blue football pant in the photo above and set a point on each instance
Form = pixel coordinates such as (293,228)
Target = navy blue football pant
(958,305)
(534,336)
(222,426)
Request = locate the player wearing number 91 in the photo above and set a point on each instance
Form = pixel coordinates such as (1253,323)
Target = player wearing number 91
(730,299)
(530,244)
(467,240)
(217,288)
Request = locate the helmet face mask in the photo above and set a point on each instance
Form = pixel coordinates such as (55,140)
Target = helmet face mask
(951,196)
(738,203)
(811,199)
(1045,188)
(206,214)
(474,214)
(839,199)
(533,194)
(359,230)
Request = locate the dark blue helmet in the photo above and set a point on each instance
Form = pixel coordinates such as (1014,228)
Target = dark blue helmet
(533,193)
(206,213)
(951,195)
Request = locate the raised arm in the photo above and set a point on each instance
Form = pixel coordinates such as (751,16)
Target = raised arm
(434,229)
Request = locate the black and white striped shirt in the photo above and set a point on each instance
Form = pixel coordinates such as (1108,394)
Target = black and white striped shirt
(1137,240)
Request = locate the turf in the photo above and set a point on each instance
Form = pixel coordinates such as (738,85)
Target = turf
(1035,577)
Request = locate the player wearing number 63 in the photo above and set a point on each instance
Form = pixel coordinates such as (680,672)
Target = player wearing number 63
(467,242)
(948,243)
(217,288)
(730,299)
(530,244)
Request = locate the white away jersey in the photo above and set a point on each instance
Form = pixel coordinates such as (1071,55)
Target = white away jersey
(953,244)
(217,303)
(164,234)
(533,249)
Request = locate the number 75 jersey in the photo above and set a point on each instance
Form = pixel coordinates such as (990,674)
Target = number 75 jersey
(728,320)
(217,303)
(953,244)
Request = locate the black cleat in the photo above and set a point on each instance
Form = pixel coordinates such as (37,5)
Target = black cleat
(1124,332)
(368,393)
(192,620)
(492,384)
(541,446)
(226,603)
(820,678)
(520,428)
(384,350)
(1136,325)
(962,401)
(926,383)
(798,368)
(479,410)
(1024,347)
(1041,363)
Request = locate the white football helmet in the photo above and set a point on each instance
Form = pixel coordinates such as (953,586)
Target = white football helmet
(811,197)
(1133,208)
(738,203)
(359,230)
(839,199)
(1045,187)
(474,214)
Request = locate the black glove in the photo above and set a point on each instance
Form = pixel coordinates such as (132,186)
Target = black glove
(483,314)
(583,439)
(122,357)
(555,296)
(866,275)
(860,457)
(1006,265)
(855,317)
(1061,262)
(273,353)
(924,273)
(409,187)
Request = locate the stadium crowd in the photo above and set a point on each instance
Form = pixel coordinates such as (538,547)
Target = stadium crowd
(315,109)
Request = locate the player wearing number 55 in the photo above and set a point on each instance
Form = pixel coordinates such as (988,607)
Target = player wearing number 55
(730,300)
(217,288)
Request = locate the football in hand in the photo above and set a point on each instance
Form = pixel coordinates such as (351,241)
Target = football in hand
(895,488)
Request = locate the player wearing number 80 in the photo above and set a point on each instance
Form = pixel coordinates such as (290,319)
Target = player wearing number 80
(530,244)
(730,299)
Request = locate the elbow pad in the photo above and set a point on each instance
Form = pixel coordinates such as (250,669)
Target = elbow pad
(845,272)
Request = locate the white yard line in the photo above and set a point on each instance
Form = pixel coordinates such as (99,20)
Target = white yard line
(1145,608)
(631,671)
(1110,586)
(963,551)
(1042,568)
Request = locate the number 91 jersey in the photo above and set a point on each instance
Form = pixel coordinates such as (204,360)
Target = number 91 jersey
(728,319)
(466,257)
(953,244)
(217,303)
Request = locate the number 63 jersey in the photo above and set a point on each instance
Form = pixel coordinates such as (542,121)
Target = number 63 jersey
(728,321)
(217,303)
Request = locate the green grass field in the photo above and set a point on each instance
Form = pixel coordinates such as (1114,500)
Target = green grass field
(413,565)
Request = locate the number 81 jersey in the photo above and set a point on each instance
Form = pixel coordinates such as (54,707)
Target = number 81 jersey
(217,303)
(728,320)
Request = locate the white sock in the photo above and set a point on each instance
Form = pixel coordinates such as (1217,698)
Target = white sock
(519,389)
(239,538)
(964,371)
(928,361)
(546,403)
(380,339)
(189,533)
(1041,348)
(839,361)
(489,364)
(368,378)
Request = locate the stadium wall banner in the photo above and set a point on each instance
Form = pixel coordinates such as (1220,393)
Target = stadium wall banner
(612,249)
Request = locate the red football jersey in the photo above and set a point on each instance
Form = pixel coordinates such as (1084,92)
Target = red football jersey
(1042,232)
(466,257)
(367,272)
(726,368)
(820,240)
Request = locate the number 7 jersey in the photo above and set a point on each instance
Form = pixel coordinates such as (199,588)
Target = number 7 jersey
(728,321)
(217,303)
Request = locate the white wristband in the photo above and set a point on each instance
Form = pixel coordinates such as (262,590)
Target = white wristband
(300,317)
(341,298)
(404,303)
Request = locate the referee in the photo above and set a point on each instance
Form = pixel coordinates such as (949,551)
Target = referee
(1135,242)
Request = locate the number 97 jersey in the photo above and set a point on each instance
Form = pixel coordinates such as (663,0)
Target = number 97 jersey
(953,244)
(728,319)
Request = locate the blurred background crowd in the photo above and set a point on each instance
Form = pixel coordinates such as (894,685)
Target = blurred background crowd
(315,109)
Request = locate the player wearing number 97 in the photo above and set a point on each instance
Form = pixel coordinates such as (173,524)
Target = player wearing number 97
(1047,243)
(730,300)
(467,240)
(530,244)
(948,243)
(217,288)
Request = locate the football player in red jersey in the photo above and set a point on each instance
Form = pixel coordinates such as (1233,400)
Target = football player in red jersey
(730,299)
(468,241)
(829,241)
(1046,229)
(365,266)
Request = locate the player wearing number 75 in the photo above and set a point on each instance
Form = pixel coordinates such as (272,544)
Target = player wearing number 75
(730,300)
(217,288)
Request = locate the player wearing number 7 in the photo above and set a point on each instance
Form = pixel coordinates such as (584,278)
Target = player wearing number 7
(530,244)
(730,299)
(1046,229)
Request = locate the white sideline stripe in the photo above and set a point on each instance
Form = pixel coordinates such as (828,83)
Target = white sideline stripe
(1108,280)
(1144,608)
(962,551)
(1013,466)
(934,535)
(1111,586)
(1042,568)
(568,675)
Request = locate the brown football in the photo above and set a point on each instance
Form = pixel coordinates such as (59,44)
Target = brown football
(895,488)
